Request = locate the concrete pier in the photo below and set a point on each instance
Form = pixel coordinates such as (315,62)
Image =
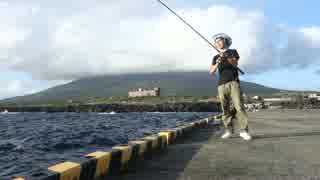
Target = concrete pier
(286,145)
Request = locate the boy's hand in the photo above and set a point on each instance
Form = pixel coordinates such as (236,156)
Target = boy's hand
(233,61)
(221,54)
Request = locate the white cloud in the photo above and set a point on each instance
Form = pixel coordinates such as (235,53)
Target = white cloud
(14,88)
(313,35)
(63,40)
(11,88)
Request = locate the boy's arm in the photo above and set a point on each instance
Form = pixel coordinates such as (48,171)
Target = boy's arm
(213,68)
(214,65)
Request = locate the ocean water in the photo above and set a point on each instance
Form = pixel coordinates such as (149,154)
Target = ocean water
(30,142)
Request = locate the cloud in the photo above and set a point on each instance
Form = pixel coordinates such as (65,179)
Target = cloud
(65,40)
(12,88)
(15,88)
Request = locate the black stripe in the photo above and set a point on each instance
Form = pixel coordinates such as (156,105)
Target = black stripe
(88,169)
(135,153)
(149,150)
(115,162)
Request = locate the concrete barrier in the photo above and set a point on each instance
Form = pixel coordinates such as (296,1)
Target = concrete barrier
(100,164)
(88,168)
(142,146)
(126,154)
(18,178)
(67,170)
(154,141)
(167,136)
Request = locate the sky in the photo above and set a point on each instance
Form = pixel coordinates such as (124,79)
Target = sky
(46,43)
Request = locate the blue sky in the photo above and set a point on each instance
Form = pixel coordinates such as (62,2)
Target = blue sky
(45,44)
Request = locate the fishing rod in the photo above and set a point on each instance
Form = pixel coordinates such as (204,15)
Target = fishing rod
(192,28)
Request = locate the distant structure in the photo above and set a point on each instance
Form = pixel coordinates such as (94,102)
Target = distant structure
(282,99)
(144,92)
(314,96)
(257,98)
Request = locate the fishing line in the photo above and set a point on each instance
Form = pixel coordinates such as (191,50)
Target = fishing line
(192,28)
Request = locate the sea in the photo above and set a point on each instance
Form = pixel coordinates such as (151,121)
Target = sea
(31,142)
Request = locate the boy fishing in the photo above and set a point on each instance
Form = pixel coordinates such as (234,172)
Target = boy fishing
(229,85)
(226,62)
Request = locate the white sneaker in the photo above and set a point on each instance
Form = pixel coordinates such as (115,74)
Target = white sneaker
(245,135)
(226,135)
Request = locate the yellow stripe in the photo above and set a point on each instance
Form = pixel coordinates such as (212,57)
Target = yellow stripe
(165,135)
(103,162)
(126,153)
(142,146)
(67,170)
(18,178)
(164,138)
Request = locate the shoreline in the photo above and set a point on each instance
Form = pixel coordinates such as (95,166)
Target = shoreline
(118,107)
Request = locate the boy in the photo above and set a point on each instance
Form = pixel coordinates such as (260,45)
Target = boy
(229,85)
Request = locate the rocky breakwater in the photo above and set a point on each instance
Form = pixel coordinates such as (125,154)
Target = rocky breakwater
(164,107)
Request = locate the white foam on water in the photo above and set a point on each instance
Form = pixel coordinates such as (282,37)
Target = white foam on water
(108,113)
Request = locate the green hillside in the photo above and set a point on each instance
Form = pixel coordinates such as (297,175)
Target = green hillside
(171,84)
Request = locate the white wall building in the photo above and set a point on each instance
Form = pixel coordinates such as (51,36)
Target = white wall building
(278,99)
(314,96)
(144,92)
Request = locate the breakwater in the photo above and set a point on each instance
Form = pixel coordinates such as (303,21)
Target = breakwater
(165,107)
(31,142)
(119,158)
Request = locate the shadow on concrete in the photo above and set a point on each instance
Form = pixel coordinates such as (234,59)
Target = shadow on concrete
(169,164)
(286,135)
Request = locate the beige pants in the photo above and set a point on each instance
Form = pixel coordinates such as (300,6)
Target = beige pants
(230,93)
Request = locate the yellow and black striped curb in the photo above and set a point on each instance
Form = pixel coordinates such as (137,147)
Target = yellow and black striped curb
(99,164)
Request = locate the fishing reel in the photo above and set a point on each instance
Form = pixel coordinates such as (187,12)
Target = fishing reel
(231,56)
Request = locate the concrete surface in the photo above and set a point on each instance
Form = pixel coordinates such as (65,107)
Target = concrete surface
(286,145)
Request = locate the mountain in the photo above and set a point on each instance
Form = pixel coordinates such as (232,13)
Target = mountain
(171,84)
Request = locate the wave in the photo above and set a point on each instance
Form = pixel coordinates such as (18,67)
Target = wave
(108,113)
(5,113)
(30,141)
